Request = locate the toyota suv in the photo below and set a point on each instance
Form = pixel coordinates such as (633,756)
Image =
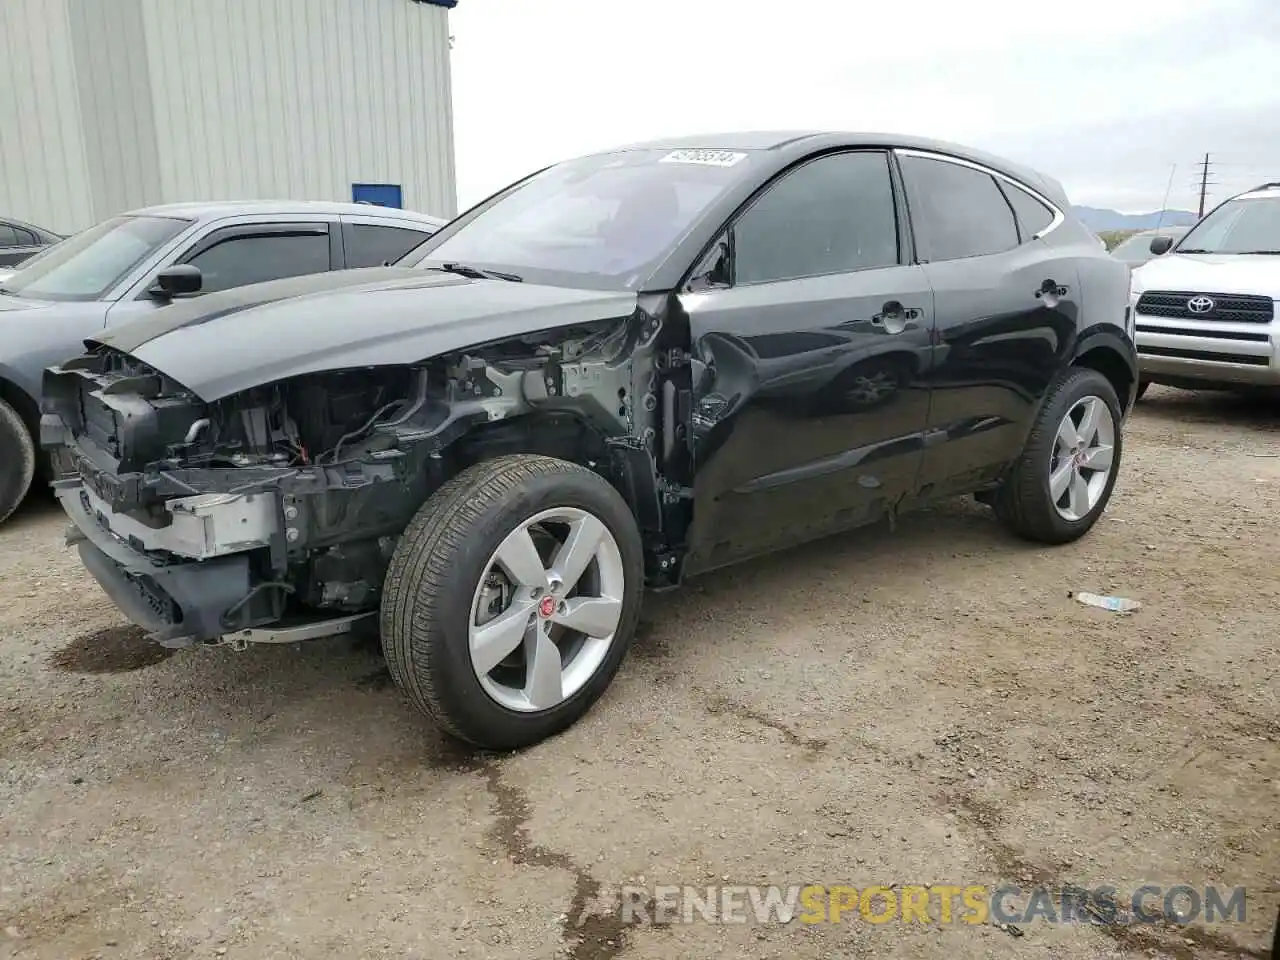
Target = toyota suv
(1205,315)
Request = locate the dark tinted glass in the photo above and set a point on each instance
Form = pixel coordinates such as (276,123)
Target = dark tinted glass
(243,260)
(833,215)
(1033,216)
(9,236)
(370,246)
(601,222)
(956,211)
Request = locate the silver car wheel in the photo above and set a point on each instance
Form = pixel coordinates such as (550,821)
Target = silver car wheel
(546,609)
(1083,457)
(873,388)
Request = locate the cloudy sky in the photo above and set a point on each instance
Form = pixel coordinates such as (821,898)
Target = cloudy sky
(1109,96)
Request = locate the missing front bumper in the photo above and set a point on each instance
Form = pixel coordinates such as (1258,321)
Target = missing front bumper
(178,604)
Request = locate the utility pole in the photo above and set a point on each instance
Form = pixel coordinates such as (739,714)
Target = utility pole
(1204,182)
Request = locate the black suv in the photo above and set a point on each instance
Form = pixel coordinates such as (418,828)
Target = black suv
(619,372)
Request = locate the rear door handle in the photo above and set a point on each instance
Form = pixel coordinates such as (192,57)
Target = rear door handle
(1051,288)
(893,317)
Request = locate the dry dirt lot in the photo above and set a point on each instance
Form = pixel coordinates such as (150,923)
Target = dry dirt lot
(922,706)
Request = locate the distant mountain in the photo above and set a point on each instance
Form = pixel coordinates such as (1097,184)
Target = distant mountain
(1098,220)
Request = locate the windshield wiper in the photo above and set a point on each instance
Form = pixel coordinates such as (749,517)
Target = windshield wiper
(1268,253)
(1193,251)
(475,273)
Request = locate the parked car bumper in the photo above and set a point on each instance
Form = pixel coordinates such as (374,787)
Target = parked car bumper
(1206,352)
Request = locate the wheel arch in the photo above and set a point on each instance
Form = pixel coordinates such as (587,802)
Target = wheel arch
(568,435)
(26,406)
(1108,351)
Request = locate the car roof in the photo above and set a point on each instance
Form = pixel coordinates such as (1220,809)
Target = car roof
(1271,190)
(789,145)
(237,208)
(15,222)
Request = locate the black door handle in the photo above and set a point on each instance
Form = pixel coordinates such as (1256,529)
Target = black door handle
(1051,288)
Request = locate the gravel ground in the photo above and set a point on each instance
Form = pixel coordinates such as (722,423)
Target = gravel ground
(926,705)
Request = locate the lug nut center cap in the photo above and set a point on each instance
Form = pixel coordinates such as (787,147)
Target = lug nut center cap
(547,606)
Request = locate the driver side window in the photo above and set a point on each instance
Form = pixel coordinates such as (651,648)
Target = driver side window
(832,215)
(239,257)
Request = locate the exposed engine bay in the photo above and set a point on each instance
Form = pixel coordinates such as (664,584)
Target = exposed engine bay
(305,485)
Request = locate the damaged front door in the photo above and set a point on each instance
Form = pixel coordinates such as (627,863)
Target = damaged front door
(810,339)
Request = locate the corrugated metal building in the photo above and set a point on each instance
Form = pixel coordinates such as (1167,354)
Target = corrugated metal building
(109,105)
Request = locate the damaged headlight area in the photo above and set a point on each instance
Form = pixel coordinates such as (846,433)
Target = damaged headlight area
(204,520)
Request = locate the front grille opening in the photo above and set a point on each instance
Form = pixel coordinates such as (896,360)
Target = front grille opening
(1209,355)
(1227,307)
(164,606)
(1209,334)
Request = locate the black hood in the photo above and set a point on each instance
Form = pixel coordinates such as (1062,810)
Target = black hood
(226,342)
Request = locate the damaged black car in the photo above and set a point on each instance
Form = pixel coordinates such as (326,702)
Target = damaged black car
(619,372)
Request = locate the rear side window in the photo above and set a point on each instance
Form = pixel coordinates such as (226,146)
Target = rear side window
(372,246)
(8,236)
(956,211)
(831,215)
(1033,216)
(241,260)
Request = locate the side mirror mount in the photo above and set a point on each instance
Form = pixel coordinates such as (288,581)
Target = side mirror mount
(177,280)
(714,269)
(1161,245)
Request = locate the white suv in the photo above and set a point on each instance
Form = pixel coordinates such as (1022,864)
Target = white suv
(1205,314)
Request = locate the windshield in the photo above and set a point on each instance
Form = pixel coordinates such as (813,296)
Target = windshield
(87,265)
(1238,226)
(602,222)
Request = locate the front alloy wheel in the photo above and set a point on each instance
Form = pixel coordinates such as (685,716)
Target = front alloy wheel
(511,599)
(546,610)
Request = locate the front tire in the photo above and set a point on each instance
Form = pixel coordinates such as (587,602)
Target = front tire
(17,460)
(511,599)
(1062,481)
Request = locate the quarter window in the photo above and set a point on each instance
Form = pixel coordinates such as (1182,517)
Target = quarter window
(831,215)
(241,260)
(372,246)
(1033,216)
(956,211)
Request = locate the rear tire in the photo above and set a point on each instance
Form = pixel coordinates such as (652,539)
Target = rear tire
(17,460)
(464,564)
(1058,487)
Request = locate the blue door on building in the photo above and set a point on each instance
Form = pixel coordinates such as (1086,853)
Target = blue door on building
(378,194)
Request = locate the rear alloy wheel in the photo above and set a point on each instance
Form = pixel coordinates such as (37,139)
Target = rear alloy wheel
(1063,480)
(511,599)
(17,460)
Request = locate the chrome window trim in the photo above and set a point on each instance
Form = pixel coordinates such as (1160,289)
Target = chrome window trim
(1058,216)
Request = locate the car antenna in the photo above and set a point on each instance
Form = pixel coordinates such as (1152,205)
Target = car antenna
(1164,206)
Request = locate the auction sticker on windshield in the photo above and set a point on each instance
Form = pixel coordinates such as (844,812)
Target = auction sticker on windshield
(706,158)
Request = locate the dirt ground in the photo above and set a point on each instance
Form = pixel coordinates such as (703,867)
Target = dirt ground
(926,705)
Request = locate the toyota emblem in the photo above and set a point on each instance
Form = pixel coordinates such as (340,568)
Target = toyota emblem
(1200,304)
